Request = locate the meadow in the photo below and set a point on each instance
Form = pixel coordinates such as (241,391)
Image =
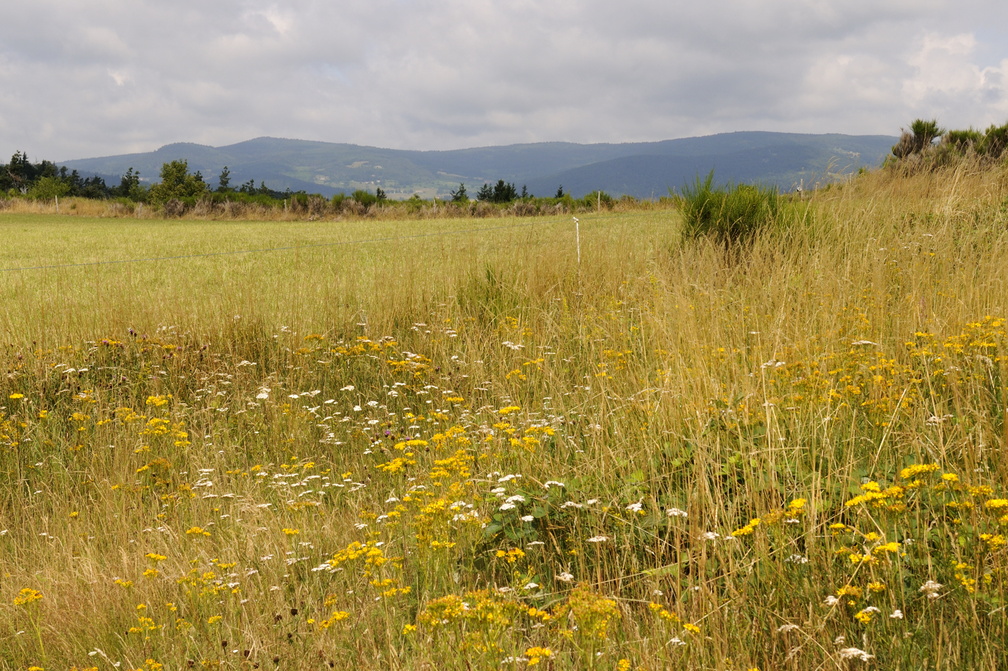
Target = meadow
(447,444)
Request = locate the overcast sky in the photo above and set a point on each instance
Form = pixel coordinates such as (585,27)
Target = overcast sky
(102,77)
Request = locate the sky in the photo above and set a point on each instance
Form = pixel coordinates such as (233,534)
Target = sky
(107,77)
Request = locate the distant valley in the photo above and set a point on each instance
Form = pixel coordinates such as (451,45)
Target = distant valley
(639,169)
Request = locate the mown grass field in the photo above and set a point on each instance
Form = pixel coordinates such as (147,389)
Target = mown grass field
(447,445)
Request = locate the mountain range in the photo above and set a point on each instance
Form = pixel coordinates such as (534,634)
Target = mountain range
(639,169)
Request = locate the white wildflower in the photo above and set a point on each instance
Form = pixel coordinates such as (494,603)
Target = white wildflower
(855,653)
(676,512)
(930,589)
(598,539)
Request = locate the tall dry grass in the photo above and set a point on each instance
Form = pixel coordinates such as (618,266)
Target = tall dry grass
(350,449)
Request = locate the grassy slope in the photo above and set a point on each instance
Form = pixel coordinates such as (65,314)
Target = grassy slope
(191,447)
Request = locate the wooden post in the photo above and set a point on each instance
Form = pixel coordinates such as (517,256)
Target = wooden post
(577,237)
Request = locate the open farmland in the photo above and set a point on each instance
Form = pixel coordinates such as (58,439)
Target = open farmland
(447,444)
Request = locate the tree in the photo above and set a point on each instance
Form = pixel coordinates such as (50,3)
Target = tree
(20,171)
(48,188)
(559,193)
(224,181)
(129,186)
(460,195)
(93,187)
(176,183)
(502,192)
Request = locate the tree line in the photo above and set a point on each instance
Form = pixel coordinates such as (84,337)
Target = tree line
(179,190)
(45,180)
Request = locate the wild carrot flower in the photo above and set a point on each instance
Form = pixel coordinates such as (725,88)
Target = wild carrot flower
(855,653)
(930,589)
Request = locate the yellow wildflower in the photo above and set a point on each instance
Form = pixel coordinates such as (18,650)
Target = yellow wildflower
(536,654)
(26,596)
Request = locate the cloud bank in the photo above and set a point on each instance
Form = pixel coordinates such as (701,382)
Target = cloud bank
(115,76)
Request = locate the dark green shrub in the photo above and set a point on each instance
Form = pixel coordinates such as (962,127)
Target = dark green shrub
(364,198)
(922,134)
(597,200)
(963,140)
(732,215)
(994,142)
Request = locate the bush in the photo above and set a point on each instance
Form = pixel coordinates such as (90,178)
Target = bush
(732,215)
(596,200)
(963,140)
(994,142)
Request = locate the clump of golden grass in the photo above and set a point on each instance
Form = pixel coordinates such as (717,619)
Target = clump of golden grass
(457,449)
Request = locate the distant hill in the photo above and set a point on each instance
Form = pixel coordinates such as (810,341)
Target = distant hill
(639,169)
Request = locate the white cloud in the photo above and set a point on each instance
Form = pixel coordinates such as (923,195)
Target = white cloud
(115,76)
(947,78)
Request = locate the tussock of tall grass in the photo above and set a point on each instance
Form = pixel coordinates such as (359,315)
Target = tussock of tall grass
(466,451)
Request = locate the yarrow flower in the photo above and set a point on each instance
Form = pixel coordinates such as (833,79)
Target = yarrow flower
(930,589)
(855,653)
